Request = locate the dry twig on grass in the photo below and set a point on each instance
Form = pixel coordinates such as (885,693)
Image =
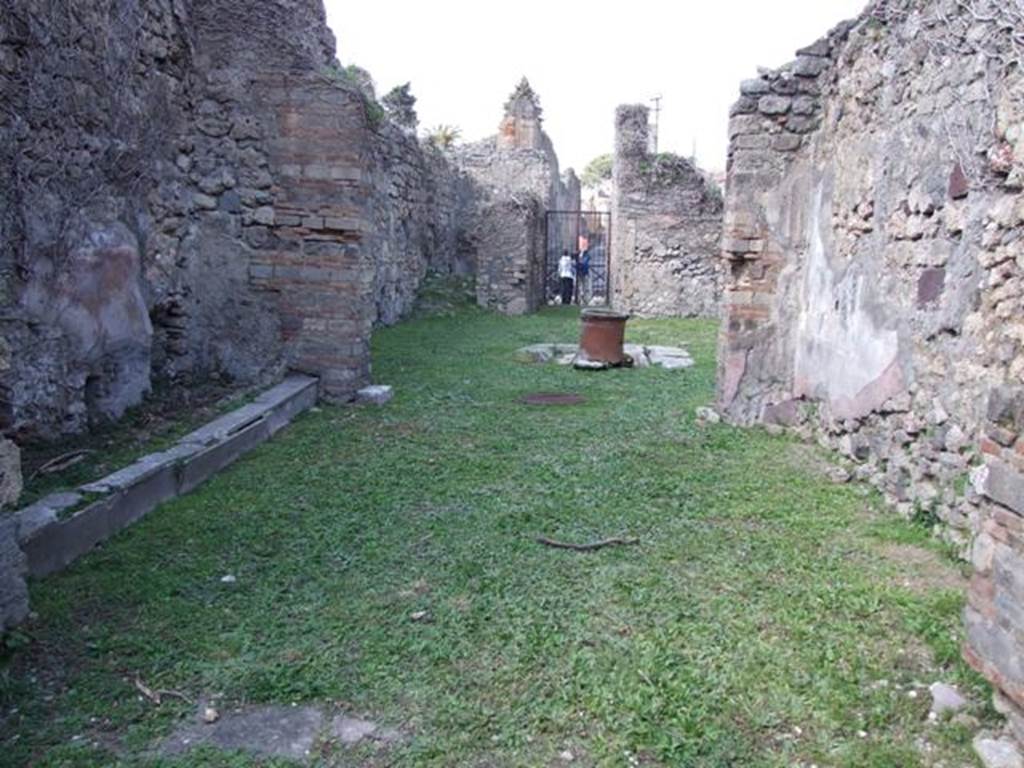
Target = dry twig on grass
(157,696)
(592,547)
(60,463)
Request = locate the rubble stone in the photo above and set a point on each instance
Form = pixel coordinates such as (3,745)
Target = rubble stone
(946,698)
(376,394)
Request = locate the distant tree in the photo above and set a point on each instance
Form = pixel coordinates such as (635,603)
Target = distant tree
(443,136)
(599,169)
(401,106)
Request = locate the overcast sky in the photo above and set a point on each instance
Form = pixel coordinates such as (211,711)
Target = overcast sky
(582,58)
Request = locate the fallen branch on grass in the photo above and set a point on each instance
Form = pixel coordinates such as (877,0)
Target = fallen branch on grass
(156,696)
(60,463)
(592,547)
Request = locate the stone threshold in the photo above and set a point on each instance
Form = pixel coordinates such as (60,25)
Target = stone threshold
(51,541)
(640,356)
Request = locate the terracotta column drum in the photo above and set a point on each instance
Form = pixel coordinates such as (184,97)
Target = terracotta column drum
(602,336)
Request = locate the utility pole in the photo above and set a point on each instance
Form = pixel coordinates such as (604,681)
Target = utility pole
(657,122)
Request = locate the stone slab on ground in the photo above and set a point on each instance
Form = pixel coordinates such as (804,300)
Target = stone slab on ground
(377,394)
(998,753)
(350,731)
(638,354)
(276,731)
(136,473)
(946,698)
(669,358)
(206,463)
(562,353)
(52,543)
(225,426)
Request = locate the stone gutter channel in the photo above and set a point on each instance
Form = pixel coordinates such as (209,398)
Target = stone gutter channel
(50,541)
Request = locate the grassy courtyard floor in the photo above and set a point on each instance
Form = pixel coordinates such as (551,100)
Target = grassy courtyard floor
(767,618)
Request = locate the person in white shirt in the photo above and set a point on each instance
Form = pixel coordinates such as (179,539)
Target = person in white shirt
(567,273)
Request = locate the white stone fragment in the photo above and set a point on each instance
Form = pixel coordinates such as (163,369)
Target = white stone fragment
(946,698)
(708,415)
(998,753)
(377,394)
(351,730)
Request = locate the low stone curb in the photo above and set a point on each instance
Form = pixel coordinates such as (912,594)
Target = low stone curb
(51,543)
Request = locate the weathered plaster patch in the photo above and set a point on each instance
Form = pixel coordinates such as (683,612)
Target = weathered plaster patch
(843,354)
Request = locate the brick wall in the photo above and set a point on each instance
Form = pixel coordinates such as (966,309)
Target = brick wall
(310,249)
(995,602)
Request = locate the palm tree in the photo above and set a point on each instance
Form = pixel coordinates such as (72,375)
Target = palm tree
(443,136)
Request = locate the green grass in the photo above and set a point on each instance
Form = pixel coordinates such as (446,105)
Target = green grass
(758,603)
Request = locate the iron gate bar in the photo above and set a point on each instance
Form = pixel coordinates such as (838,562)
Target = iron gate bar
(604,226)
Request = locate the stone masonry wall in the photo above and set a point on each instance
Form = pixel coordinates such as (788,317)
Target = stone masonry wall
(421,203)
(666,228)
(310,255)
(515,179)
(508,243)
(994,616)
(873,230)
(192,190)
(78,162)
(504,236)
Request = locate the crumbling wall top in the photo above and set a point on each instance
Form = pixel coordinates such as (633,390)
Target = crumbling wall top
(521,126)
(524,103)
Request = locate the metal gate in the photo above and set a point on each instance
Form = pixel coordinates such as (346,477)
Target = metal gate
(580,234)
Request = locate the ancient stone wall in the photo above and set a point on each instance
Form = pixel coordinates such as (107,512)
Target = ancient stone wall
(504,230)
(507,236)
(516,180)
(310,256)
(13,590)
(194,189)
(994,616)
(874,228)
(422,201)
(83,133)
(666,228)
